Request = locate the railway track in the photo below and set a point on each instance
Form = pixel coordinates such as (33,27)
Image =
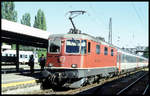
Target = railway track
(146,90)
(127,90)
(115,86)
(84,88)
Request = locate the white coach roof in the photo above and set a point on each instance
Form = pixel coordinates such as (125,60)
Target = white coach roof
(23,29)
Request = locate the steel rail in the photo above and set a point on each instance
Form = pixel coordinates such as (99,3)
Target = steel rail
(130,85)
(145,89)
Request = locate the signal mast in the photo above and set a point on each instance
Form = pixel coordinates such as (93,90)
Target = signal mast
(110,32)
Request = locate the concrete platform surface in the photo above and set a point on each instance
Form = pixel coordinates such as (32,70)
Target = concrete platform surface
(12,81)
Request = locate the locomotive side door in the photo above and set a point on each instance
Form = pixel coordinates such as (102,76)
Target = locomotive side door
(119,61)
(88,57)
(83,53)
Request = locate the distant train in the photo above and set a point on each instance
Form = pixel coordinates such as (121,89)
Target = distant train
(23,55)
(74,60)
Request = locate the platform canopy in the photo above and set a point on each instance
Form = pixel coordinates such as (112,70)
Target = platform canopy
(13,32)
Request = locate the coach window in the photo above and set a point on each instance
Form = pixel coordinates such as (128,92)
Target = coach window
(128,57)
(10,54)
(106,51)
(89,47)
(20,56)
(97,49)
(131,59)
(83,46)
(112,52)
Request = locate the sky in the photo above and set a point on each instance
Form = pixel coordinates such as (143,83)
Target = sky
(129,19)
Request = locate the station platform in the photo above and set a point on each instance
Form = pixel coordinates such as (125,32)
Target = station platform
(12,69)
(11,80)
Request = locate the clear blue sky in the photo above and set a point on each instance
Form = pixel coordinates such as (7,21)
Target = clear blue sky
(129,19)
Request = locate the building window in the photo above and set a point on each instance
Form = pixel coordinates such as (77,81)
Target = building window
(89,47)
(97,49)
(105,51)
(112,52)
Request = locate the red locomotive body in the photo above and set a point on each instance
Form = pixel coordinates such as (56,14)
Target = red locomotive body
(90,55)
(81,58)
(74,60)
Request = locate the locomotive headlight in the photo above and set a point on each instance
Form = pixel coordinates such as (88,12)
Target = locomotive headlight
(74,65)
(50,65)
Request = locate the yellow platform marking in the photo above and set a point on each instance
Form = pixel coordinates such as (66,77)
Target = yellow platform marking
(18,83)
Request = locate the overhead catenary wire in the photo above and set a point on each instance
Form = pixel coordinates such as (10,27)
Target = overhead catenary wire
(138,15)
(95,22)
(98,22)
(142,14)
(92,9)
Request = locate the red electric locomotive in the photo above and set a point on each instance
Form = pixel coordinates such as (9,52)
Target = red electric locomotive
(77,59)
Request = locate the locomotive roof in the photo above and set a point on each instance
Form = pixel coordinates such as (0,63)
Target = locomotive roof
(77,36)
(89,37)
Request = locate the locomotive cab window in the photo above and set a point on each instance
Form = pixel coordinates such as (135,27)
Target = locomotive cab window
(89,47)
(112,52)
(106,51)
(97,49)
(83,47)
(54,45)
(72,46)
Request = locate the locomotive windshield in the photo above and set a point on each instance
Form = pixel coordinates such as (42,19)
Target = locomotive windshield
(54,46)
(72,46)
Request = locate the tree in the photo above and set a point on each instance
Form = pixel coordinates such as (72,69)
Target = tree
(40,21)
(8,11)
(26,19)
(146,53)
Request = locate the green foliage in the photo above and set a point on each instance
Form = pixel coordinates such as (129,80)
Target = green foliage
(8,11)
(26,19)
(40,21)
(146,54)
(13,46)
(26,48)
(40,52)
